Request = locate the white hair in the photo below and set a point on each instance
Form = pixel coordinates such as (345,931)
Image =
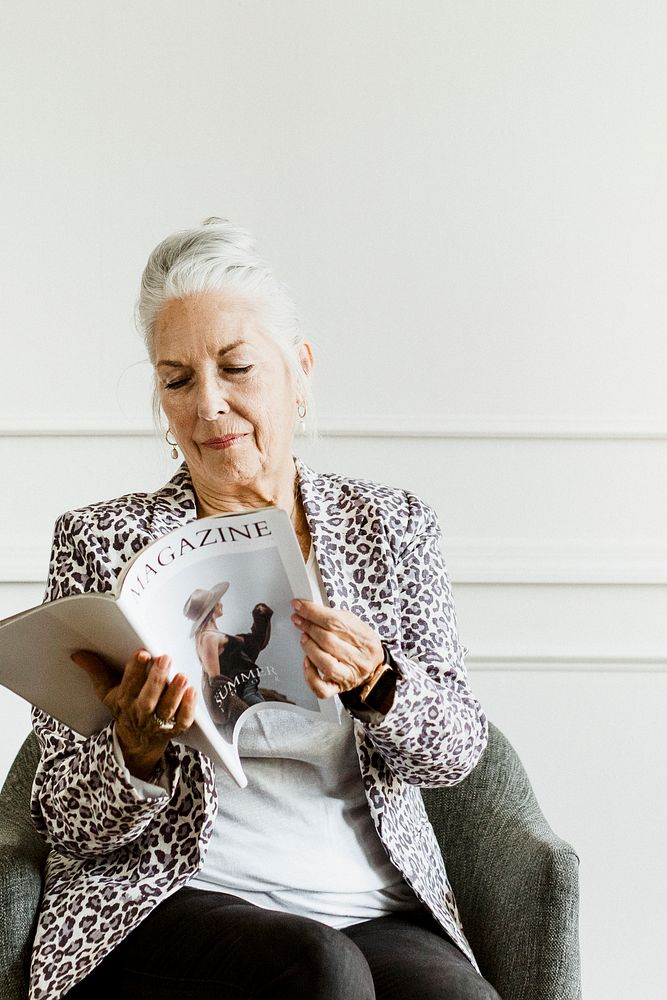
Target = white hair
(219,256)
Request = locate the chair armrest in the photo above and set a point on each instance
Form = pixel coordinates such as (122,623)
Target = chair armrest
(515,881)
(521,897)
(22,855)
(20,891)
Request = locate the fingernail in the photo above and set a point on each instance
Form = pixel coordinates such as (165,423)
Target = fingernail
(297,605)
(297,620)
(143,656)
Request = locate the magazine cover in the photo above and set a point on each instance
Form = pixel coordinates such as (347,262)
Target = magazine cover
(216,596)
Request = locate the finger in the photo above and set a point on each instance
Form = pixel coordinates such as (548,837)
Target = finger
(154,685)
(355,649)
(348,639)
(332,670)
(134,676)
(101,673)
(185,715)
(171,698)
(317,614)
(320,687)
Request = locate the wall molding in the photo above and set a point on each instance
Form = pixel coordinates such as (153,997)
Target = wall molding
(497,562)
(490,428)
(369,426)
(554,663)
(562,562)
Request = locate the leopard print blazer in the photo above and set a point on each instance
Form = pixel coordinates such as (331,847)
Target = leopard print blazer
(114,856)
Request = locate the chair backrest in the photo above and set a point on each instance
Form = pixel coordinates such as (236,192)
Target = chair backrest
(22,856)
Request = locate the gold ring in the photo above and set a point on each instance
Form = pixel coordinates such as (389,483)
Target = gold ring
(164,725)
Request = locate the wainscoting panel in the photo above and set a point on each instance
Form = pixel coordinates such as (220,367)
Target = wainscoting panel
(556,544)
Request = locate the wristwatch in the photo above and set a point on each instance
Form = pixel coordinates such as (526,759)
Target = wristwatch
(377,693)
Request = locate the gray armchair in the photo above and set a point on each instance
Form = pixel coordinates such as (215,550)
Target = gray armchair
(515,882)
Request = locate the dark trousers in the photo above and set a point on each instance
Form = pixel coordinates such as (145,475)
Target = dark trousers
(200,945)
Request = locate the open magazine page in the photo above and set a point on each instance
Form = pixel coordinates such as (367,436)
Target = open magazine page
(216,596)
(35,650)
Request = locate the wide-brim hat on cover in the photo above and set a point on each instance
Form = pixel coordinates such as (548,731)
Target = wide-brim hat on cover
(200,603)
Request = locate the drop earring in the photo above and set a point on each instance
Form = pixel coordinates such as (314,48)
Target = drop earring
(302,410)
(172,444)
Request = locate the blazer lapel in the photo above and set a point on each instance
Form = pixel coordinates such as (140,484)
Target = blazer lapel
(327,512)
(343,521)
(174,505)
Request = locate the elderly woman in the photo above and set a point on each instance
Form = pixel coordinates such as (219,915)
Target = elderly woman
(322,878)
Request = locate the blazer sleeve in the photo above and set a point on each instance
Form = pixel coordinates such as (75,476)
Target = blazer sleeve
(83,801)
(435,731)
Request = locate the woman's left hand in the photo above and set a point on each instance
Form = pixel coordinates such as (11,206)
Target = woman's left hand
(341,651)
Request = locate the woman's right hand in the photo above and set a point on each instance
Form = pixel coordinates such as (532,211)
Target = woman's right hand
(142,694)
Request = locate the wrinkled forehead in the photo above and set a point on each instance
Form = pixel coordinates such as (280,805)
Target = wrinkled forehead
(207,325)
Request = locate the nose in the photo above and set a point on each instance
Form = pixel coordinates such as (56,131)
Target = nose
(211,399)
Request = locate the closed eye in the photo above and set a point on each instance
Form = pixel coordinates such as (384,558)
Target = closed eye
(176,384)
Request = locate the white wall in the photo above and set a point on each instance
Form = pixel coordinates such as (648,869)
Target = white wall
(467,200)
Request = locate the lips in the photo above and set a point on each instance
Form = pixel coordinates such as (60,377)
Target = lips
(223,442)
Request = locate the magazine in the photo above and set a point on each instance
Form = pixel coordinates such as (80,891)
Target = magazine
(215,595)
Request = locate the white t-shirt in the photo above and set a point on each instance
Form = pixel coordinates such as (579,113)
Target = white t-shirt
(300,837)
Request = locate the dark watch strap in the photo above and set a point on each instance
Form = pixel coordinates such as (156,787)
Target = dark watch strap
(381,696)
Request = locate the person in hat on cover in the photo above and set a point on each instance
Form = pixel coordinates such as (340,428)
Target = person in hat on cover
(230,675)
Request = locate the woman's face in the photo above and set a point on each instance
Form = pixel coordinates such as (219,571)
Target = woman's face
(226,389)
